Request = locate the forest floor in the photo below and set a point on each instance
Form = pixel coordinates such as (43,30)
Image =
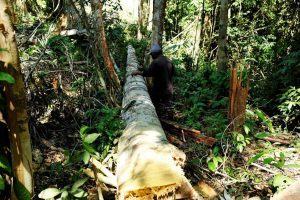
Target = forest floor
(56,140)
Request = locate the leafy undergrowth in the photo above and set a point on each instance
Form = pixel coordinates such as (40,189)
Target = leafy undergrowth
(241,164)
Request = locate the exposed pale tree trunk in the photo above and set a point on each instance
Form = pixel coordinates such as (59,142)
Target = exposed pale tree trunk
(16,103)
(143,17)
(105,50)
(158,21)
(222,59)
(148,167)
(199,33)
(237,100)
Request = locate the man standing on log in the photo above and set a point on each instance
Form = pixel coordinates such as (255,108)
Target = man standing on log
(162,71)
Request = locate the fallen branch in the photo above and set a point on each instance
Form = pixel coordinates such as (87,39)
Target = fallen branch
(271,139)
(103,169)
(193,133)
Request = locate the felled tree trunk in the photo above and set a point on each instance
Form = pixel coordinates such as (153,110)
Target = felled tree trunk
(237,100)
(16,103)
(148,167)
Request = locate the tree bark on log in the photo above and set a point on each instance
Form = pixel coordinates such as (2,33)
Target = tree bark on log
(148,167)
(19,137)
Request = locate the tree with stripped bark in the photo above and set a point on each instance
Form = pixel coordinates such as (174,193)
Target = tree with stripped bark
(20,144)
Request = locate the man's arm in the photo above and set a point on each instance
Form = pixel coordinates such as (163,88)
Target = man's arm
(146,73)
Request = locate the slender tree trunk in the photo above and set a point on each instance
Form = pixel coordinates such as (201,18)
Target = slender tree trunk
(222,59)
(16,103)
(148,167)
(158,21)
(141,19)
(105,51)
(199,36)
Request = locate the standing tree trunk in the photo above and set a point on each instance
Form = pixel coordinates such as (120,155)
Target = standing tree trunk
(158,21)
(237,100)
(222,42)
(105,51)
(148,167)
(143,21)
(16,103)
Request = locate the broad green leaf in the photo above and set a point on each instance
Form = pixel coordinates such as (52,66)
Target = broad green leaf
(246,129)
(90,138)
(219,159)
(4,164)
(86,157)
(281,161)
(216,150)
(262,135)
(212,166)
(21,192)
(64,195)
(83,130)
(240,137)
(280,180)
(88,148)
(7,78)
(2,183)
(78,184)
(268,160)
(255,158)
(49,193)
(79,193)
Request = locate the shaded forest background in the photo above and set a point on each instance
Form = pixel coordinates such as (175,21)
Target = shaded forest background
(73,85)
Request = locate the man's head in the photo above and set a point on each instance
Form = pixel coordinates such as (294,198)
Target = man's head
(155,51)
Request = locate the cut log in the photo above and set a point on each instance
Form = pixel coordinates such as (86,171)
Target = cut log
(195,134)
(146,162)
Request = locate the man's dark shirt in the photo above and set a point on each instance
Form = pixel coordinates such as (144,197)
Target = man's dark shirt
(162,71)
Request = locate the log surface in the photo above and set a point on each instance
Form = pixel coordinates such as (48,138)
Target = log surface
(147,165)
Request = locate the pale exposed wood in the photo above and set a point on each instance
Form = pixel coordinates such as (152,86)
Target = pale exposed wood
(16,103)
(146,166)
(290,193)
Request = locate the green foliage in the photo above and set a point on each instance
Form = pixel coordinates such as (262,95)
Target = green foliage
(68,192)
(2,183)
(7,78)
(214,159)
(290,105)
(201,94)
(280,181)
(4,164)
(240,141)
(98,138)
(21,192)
